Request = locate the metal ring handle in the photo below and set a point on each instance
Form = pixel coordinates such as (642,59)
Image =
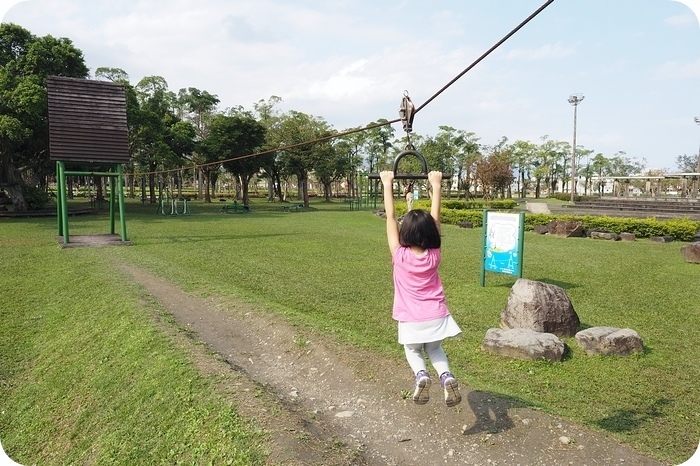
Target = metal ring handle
(410,176)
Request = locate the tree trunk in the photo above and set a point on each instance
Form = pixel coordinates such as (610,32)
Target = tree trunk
(152,186)
(207,184)
(303,187)
(11,181)
(245,183)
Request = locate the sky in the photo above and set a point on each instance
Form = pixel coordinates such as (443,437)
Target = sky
(636,62)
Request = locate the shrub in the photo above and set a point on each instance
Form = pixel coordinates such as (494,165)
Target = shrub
(36,198)
(454,212)
(682,229)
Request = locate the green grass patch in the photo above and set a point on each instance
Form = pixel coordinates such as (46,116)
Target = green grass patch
(85,376)
(72,326)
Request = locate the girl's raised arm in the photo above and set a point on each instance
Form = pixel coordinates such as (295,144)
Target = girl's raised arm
(435,179)
(392,227)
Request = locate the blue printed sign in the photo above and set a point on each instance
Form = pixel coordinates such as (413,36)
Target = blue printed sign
(503,243)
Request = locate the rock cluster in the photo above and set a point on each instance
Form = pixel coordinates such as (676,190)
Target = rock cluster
(537,315)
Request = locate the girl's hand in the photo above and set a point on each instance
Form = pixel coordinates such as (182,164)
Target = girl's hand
(435,178)
(387,177)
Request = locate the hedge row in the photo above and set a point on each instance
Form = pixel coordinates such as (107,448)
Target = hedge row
(682,229)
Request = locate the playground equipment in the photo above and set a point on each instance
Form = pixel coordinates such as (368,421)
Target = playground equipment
(87,129)
(406,112)
(168,204)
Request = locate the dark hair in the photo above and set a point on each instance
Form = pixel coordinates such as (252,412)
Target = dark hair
(418,228)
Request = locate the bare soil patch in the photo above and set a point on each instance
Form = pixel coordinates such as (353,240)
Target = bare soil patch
(325,404)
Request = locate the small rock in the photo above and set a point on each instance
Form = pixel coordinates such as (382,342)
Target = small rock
(345,414)
(564,440)
(661,239)
(604,235)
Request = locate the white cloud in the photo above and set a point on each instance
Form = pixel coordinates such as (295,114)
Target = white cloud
(5,6)
(674,70)
(681,20)
(694,6)
(545,52)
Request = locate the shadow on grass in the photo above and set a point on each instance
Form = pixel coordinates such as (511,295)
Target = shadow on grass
(491,412)
(560,284)
(626,420)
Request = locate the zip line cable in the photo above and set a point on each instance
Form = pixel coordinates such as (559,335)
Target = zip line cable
(374,125)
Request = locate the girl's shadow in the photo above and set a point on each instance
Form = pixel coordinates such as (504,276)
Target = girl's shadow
(491,412)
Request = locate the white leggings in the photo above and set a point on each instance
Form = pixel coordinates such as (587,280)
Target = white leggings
(434,351)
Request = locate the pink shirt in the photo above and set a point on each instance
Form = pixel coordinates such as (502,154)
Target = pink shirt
(418,292)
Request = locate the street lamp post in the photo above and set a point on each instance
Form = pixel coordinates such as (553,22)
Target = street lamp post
(697,168)
(574,99)
(696,181)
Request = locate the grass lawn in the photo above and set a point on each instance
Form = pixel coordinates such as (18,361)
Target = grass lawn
(74,334)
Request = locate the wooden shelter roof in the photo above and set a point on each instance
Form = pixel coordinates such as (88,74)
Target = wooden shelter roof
(87,121)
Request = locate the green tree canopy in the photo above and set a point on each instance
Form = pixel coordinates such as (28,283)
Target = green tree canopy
(25,63)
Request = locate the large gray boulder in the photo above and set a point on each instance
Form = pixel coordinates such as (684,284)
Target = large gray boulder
(521,343)
(610,341)
(691,252)
(568,228)
(541,307)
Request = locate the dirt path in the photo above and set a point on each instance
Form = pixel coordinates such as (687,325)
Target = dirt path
(327,405)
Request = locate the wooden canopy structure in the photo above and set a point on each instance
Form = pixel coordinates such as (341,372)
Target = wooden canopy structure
(88,128)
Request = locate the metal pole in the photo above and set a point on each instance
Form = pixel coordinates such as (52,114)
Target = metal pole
(64,202)
(574,99)
(122,207)
(697,168)
(696,180)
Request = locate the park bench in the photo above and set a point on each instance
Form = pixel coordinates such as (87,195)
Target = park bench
(293,208)
(235,208)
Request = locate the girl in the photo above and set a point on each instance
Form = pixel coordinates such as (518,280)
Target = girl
(419,299)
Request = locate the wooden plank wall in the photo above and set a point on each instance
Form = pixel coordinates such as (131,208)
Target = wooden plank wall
(87,121)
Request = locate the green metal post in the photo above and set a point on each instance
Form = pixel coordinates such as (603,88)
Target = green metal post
(122,209)
(521,242)
(59,190)
(111,205)
(64,202)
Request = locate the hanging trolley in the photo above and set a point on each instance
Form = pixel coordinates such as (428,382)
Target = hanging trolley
(406,112)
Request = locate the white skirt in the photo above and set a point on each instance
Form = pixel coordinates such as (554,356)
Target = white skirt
(411,333)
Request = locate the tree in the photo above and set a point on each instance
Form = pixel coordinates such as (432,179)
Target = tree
(25,62)
(237,136)
(115,75)
(600,166)
(296,128)
(688,163)
(349,147)
(332,167)
(442,152)
(524,153)
(377,142)
(198,108)
(270,118)
(160,139)
(465,160)
(494,172)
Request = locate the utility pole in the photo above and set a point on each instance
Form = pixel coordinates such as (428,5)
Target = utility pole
(697,167)
(696,181)
(574,99)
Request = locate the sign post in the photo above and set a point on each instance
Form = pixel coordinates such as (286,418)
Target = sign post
(503,244)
